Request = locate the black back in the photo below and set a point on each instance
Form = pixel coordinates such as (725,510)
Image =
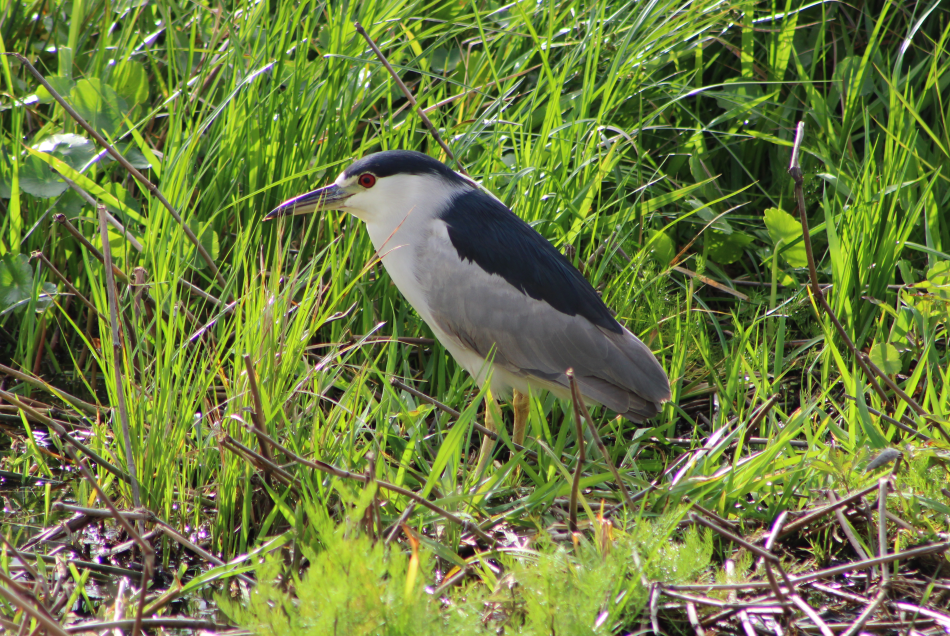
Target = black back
(487,233)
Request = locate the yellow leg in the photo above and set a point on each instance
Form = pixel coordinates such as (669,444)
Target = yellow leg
(521,404)
(491,423)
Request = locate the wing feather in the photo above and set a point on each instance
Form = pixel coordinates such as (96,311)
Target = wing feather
(530,338)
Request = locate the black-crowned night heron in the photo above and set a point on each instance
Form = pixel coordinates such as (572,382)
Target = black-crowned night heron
(504,302)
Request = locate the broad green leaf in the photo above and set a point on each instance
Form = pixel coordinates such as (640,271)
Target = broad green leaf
(152,158)
(661,245)
(886,357)
(16,279)
(208,239)
(131,82)
(6,173)
(89,185)
(74,150)
(726,248)
(98,104)
(16,284)
(939,278)
(38,179)
(60,84)
(132,154)
(714,221)
(444,61)
(939,274)
(785,230)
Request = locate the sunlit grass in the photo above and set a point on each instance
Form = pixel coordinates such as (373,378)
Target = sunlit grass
(645,140)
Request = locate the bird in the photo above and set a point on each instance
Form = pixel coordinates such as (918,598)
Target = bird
(504,302)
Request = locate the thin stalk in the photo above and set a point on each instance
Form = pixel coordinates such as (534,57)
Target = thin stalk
(412,100)
(579,402)
(795,171)
(117,341)
(579,427)
(258,415)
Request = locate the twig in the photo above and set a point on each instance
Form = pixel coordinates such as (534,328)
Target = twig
(730,567)
(871,563)
(399,384)
(200,293)
(148,554)
(171,533)
(70,526)
(820,574)
(854,598)
(445,408)
(709,513)
(769,543)
(813,615)
(69,286)
(579,401)
(114,222)
(873,627)
(13,593)
(751,547)
(117,342)
(890,420)
(763,411)
(258,415)
(339,472)
(412,100)
(76,234)
(847,529)
(943,619)
(56,392)
(917,408)
(100,513)
(399,522)
(709,281)
(654,609)
(61,432)
(579,468)
(151,187)
(26,565)
(171,622)
(821,512)
(866,614)
(258,460)
(450,581)
(795,170)
(717,603)
(883,483)
(100,568)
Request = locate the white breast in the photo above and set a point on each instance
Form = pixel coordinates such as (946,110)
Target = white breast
(414,245)
(400,225)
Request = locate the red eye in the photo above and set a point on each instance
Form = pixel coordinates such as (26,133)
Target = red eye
(367,180)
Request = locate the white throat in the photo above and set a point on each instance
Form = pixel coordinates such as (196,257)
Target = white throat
(400,213)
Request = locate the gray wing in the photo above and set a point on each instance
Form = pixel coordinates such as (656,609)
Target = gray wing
(532,339)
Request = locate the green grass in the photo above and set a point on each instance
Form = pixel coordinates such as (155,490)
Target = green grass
(643,139)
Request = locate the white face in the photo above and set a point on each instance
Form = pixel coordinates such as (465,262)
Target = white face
(388,200)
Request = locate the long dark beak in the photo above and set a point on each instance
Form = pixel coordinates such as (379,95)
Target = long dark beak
(331,197)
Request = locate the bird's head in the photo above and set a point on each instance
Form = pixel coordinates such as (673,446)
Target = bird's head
(393,182)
